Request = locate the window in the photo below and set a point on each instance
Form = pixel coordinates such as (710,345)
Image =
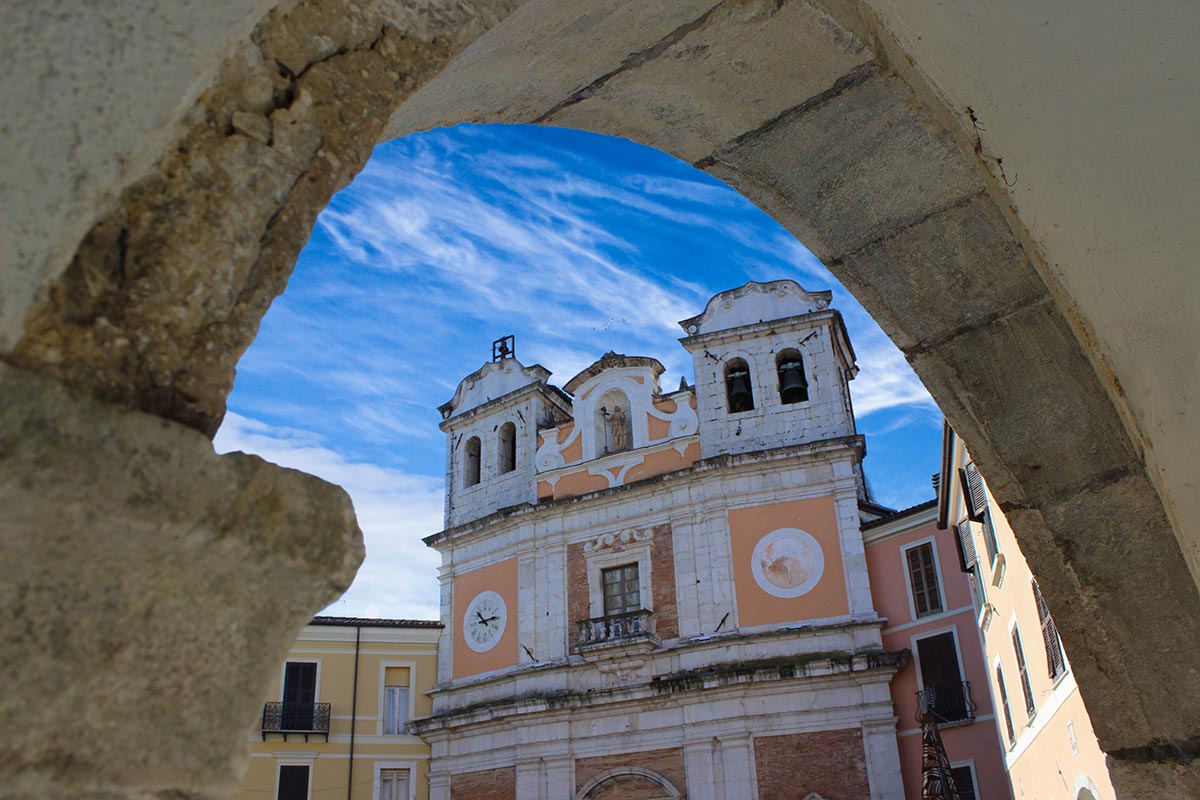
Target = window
(622,589)
(299,695)
(395,700)
(393,784)
(964,781)
(508,447)
(793,384)
(1055,663)
(471,467)
(293,782)
(738,393)
(1026,688)
(1008,722)
(923,580)
(945,693)
(975,497)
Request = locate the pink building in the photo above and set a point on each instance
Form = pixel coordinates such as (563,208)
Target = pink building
(918,586)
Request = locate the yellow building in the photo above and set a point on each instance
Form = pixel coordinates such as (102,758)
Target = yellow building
(1051,751)
(335,721)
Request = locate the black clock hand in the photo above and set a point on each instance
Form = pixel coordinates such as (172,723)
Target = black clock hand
(481,619)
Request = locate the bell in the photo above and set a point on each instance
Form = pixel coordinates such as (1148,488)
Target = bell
(738,386)
(793,388)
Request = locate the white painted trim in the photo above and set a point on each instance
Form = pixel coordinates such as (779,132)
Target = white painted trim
(937,570)
(1041,719)
(931,619)
(907,523)
(411,766)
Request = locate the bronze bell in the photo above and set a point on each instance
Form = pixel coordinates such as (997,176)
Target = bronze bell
(738,385)
(793,388)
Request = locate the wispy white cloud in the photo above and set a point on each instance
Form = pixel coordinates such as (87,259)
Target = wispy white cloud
(395,509)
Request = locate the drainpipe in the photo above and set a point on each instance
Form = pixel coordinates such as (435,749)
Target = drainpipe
(353,713)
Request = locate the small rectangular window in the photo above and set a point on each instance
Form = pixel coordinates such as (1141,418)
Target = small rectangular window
(393,784)
(622,589)
(923,580)
(1026,687)
(293,782)
(964,781)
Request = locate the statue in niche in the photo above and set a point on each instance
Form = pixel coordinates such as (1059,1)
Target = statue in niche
(617,429)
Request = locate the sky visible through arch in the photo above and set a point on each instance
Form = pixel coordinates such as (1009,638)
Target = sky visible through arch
(575,243)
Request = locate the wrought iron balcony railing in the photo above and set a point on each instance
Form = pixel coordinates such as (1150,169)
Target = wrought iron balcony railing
(617,627)
(946,705)
(296,718)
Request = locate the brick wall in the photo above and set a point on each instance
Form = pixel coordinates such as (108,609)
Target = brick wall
(831,763)
(488,784)
(577,592)
(667,763)
(662,568)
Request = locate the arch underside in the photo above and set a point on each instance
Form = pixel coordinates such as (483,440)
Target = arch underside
(811,119)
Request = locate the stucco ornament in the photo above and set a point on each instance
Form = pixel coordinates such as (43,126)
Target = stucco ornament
(787,562)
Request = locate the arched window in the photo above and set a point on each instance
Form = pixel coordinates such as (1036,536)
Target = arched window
(738,393)
(793,383)
(471,463)
(508,447)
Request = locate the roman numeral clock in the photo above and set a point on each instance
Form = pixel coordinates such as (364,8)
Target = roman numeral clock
(484,621)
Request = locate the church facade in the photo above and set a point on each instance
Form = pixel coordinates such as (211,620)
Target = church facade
(653,594)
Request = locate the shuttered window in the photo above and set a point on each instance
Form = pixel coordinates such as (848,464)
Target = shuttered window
(1055,663)
(923,580)
(1026,687)
(966,545)
(973,491)
(1008,722)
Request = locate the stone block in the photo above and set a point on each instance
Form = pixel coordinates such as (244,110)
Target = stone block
(1023,382)
(148,589)
(746,64)
(1101,563)
(851,168)
(966,250)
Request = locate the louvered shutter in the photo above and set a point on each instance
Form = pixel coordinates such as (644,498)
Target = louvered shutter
(1054,654)
(973,491)
(966,545)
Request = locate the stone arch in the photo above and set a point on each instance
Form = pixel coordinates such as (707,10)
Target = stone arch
(648,779)
(153,284)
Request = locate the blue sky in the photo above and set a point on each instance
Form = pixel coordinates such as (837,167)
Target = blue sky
(573,242)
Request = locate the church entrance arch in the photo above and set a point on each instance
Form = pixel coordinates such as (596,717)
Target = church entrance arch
(629,783)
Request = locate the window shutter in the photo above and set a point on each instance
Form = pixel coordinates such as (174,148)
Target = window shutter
(973,491)
(1055,663)
(966,545)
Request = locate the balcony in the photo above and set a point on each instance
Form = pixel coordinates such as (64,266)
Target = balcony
(946,705)
(305,719)
(622,633)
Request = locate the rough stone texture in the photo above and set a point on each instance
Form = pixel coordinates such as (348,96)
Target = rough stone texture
(93,93)
(166,291)
(149,586)
(1154,778)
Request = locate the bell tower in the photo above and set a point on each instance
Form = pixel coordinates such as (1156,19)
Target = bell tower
(773,364)
(491,427)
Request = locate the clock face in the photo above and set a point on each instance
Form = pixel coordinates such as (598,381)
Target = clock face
(787,562)
(484,622)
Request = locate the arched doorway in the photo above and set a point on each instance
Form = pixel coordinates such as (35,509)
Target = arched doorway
(637,782)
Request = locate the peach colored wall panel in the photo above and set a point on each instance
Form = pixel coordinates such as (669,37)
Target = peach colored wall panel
(577,483)
(502,579)
(787,562)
